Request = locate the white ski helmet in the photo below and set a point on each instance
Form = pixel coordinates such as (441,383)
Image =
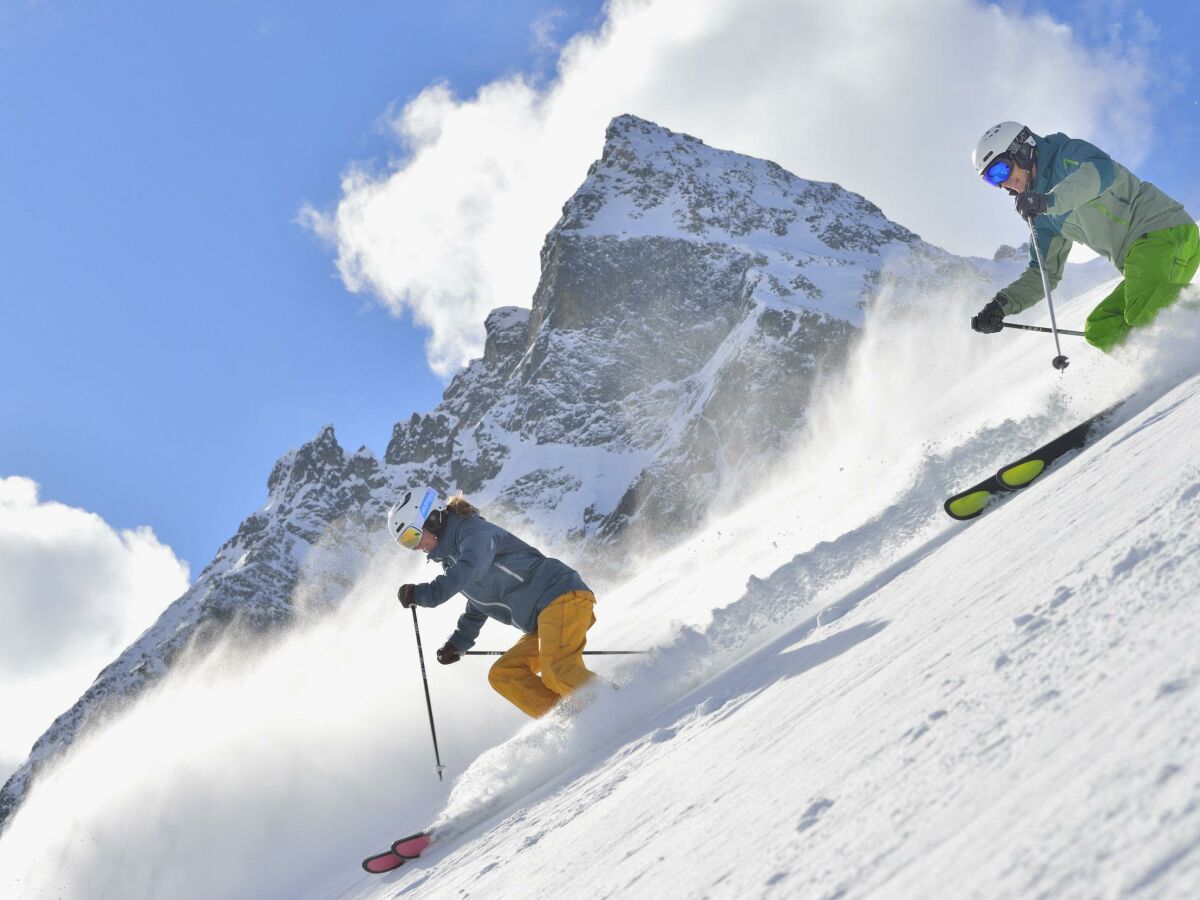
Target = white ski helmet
(1010,140)
(407,516)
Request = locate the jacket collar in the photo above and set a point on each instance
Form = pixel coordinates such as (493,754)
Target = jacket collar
(449,538)
(1047,154)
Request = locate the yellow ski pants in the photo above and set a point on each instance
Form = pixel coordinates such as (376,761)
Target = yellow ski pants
(555,651)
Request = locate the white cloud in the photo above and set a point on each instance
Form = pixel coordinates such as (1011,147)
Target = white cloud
(885,97)
(544,30)
(75,593)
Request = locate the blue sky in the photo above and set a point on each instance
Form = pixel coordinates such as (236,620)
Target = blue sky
(171,328)
(1168,31)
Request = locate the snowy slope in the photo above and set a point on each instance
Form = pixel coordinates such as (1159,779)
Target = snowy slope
(1012,709)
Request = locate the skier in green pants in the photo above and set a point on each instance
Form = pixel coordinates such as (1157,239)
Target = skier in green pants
(1073,191)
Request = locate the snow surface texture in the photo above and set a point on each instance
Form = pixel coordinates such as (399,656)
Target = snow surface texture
(971,723)
(1003,709)
(850,695)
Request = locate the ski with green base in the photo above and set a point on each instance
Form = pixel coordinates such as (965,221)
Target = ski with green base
(1020,474)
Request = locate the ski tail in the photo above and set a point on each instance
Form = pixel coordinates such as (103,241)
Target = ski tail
(403,850)
(1023,472)
(412,846)
(974,500)
(383,862)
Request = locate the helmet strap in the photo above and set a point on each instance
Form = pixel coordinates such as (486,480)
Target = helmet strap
(1023,150)
(435,522)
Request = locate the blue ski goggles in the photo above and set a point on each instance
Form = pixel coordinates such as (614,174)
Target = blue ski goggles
(998,170)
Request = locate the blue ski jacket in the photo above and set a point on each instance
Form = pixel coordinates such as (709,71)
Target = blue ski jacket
(502,577)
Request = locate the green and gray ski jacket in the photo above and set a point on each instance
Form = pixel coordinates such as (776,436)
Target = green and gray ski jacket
(1091,199)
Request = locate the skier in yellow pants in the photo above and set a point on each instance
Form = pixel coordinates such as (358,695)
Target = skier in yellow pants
(506,579)
(555,651)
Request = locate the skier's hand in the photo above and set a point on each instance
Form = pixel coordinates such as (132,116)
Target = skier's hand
(448,654)
(407,595)
(1030,204)
(990,319)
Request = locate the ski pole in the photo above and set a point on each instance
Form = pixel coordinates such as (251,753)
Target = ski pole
(585,652)
(1059,362)
(1040,328)
(428,703)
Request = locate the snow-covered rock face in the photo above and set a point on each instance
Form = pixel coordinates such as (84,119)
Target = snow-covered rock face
(689,297)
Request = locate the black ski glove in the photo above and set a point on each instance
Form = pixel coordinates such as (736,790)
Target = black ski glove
(1031,204)
(448,654)
(407,595)
(990,319)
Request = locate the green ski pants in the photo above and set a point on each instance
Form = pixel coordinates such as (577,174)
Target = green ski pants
(1158,266)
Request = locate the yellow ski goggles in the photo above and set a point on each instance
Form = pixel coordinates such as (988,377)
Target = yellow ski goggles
(409,537)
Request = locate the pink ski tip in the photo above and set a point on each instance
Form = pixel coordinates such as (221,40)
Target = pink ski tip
(411,846)
(384,862)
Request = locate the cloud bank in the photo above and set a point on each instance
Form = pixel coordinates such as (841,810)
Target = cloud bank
(75,593)
(885,97)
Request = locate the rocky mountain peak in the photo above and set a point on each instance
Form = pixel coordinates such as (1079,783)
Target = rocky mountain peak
(650,179)
(317,461)
(507,330)
(1005,251)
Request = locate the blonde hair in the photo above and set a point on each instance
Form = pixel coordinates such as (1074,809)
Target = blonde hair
(459,506)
